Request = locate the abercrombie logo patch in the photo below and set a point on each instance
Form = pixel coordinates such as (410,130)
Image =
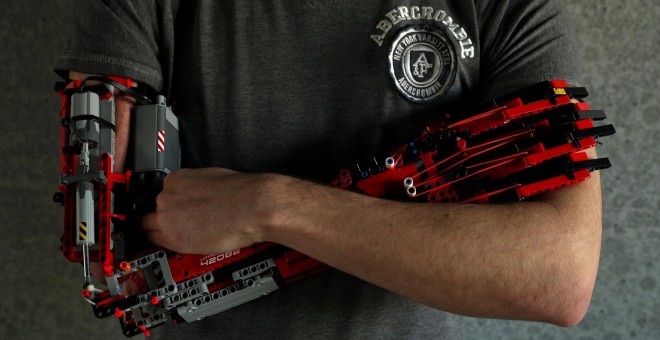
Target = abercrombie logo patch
(422,64)
(424,15)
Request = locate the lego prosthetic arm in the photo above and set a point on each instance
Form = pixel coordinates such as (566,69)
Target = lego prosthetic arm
(101,207)
(521,145)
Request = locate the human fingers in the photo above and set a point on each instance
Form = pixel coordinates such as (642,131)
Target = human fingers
(152,230)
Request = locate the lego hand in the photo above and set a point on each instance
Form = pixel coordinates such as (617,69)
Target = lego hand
(211,210)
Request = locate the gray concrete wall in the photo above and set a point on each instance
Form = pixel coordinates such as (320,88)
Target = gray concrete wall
(39,291)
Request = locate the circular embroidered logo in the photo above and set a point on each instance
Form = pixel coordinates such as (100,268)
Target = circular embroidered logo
(422,64)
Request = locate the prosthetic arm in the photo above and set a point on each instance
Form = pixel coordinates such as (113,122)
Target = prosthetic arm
(101,207)
(518,146)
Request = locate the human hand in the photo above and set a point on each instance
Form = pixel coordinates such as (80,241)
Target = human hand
(211,210)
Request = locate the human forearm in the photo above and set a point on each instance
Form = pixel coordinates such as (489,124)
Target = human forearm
(533,260)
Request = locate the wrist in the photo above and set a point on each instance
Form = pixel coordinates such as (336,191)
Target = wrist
(283,197)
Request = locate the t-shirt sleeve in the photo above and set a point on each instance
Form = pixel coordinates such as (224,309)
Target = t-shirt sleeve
(525,42)
(119,38)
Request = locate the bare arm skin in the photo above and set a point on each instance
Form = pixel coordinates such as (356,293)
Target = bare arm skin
(534,260)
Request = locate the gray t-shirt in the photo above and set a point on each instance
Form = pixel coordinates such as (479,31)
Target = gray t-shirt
(307,87)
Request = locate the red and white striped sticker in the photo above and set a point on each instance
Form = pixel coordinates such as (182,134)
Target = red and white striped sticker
(161,140)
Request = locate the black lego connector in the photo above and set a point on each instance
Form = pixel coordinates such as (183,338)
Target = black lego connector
(58,197)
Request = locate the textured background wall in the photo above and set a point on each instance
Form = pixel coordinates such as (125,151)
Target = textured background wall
(39,291)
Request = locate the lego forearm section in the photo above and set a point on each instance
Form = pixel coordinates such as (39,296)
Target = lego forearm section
(523,144)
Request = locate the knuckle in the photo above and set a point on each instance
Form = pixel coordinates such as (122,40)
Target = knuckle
(167,181)
(172,177)
(161,200)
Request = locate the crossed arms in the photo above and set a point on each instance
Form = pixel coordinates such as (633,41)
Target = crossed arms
(534,260)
